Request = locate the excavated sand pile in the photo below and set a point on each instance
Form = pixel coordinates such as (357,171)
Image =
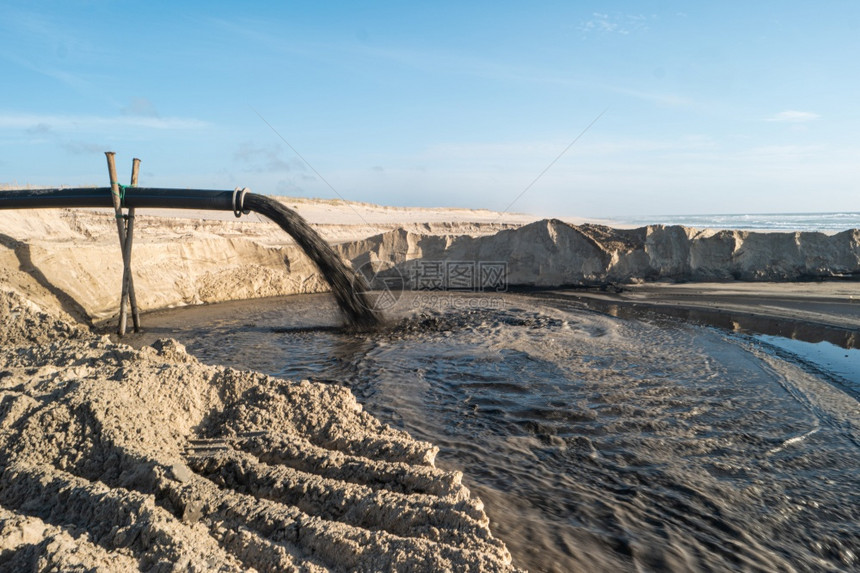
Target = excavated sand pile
(114,459)
(553,253)
(70,258)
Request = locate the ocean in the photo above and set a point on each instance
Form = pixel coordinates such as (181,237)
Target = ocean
(824,222)
(597,443)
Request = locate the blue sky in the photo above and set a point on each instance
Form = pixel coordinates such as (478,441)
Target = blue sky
(719,107)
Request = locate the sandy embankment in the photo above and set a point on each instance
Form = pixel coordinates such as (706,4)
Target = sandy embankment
(70,258)
(118,460)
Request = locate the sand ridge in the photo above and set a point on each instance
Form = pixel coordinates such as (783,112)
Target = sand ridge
(69,259)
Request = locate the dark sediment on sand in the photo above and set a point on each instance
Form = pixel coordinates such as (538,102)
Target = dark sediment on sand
(821,311)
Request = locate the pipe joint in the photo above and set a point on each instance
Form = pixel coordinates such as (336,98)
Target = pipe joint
(239,207)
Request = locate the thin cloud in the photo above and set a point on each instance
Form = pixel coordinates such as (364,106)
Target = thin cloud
(76,147)
(265,158)
(140,106)
(665,99)
(94,122)
(794,116)
(39,129)
(69,79)
(622,24)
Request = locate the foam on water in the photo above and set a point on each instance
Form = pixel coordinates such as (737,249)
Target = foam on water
(597,443)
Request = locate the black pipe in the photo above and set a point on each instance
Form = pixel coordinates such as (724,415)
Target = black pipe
(137,197)
(348,287)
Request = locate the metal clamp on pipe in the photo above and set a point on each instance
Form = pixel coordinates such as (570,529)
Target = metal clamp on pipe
(238,210)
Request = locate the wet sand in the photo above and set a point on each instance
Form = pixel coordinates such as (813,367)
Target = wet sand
(809,311)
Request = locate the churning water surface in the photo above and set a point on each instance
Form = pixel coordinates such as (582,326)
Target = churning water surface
(597,443)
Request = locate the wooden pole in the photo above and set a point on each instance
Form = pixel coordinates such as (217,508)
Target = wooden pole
(120,228)
(129,236)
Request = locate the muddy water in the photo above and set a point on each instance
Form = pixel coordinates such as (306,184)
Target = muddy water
(347,288)
(597,443)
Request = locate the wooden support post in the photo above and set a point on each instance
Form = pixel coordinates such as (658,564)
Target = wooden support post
(128,279)
(120,228)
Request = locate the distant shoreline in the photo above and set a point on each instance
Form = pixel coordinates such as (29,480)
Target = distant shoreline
(823,222)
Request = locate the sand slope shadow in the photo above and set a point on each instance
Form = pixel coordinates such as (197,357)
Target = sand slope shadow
(23,252)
